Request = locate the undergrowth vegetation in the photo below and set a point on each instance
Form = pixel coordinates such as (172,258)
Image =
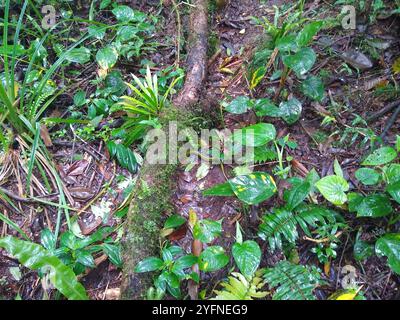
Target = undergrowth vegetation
(76,102)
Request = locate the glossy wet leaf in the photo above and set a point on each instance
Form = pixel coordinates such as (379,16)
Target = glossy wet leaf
(333,189)
(212,259)
(389,246)
(301,62)
(374,206)
(296,195)
(35,257)
(78,55)
(183,263)
(253,188)
(47,239)
(256,135)
(113,253)
(265,107)
(149,264)
(394,190)
(222,190)
(207,230)
(107,57)
(367,176)
(239,105)
(125,156)
(314,88)
(290,110)
(391,173)
(124,13)
(307,33)
(380,156)
(247,256)
(286,43)
(174,221)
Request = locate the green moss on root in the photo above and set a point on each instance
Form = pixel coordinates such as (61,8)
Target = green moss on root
(149,206)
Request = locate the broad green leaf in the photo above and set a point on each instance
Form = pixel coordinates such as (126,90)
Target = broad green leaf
(301,62)
(391,173)
(48,240)
(85,258)
(126,33)
(35,257)
(367,176)
(212,259)
(113,253)
(265,107)
(125,156)
(222,190)
(296,194)
(174,221)
(207,230)
(256,135)
(124,13)
(394,190)
(290,110)
(333,189)
(389,246)
(380,156)
(78,55)
(374,206)
(253,188)
(239,105)
(355,200)
(183,263)
(149,264)
(247,256)
(314,88)
(308,32)
(97,32)
(397,145)
(79,98)
(286,43)
(107,57)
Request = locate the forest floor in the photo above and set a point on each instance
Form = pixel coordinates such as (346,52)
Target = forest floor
(97,185)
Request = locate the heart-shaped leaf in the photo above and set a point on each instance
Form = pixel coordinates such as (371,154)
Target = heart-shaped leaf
(380,156)
(212,259)
(253,188)
(301,62)
(367,176)
(290,110)
(374,206)
(256,135)
(107,57)
(239,105)
(333,189)
(313,87)
(265,107)
(207,230)
(394,190)
(389,246)
(247,256)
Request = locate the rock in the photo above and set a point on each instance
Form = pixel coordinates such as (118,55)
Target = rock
(357,59)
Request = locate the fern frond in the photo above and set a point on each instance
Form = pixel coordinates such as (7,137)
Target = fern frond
(293,282)
(238,287)
(264,154)
(282,223)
